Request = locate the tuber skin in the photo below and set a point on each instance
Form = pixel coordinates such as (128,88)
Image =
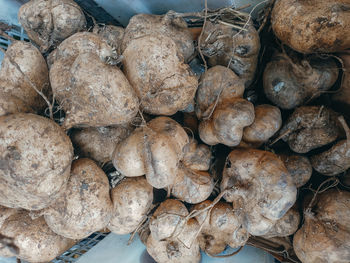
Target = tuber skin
(172,238)
(220,108)
(310,127)
(325,234)
(49,22)
(10,104)
(156,70)
(98,143)
(258,182)
(91,92)
(33,65)
(162,151)
(169,25)
(312,26)
(341,99)
(286,225)
(222,227)
(132,199)
(113,35)
(336,160)
(35,161)
(289,84)
(85,206)
(36,242)
(233,48)
(299,167)
(267,122)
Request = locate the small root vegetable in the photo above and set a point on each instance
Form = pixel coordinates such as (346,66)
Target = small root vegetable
(132,199)
(91,92)
(98,143)
(35,161)
(289,84)
(258,182)
(310,127)
(267,122)
(172,238)
(168,25)
(158,74)
(299,167)
(161,151)
(49,22)
(223,114)
(325,234)
(33,71)
(113,35)
(85,206)
(231,47)
(312,26)
(221,227)
(286,225)
(35,241)
(10,104)
(336,160)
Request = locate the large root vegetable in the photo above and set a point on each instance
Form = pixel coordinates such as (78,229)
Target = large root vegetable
(91,92)
(132,199)
(49,22)
(168,25)
(299,167)
(310,127)
(267,122)
(336,160)
(289,84)
(35,161)
(161,151)
(33,74)
(157,72)
(113,35)
(223,114)
(222,226)
(312,26)
(173,238)
(85,206)
(259,183)
(287,225)
(35,241)
(230,47)
(325,234)
(98,143)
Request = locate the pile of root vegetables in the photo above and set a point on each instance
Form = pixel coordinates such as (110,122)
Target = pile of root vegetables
(195,139)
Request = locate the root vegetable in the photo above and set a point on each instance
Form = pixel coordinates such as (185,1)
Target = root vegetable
(49,22)
(168,25)
(85,206)
(158,74)
(172,238)
(325,234)
(98,143)
(259,183)
(33,69)
(285,226)
(299,167)
(113,35)
(267,122)
(35,160)
(310,127)
(161,151)
(91,92)
(312,26)
(228,46)
(132,198)
(222,227)
(36,242)
(11,104)
(336,160)
(289,84)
